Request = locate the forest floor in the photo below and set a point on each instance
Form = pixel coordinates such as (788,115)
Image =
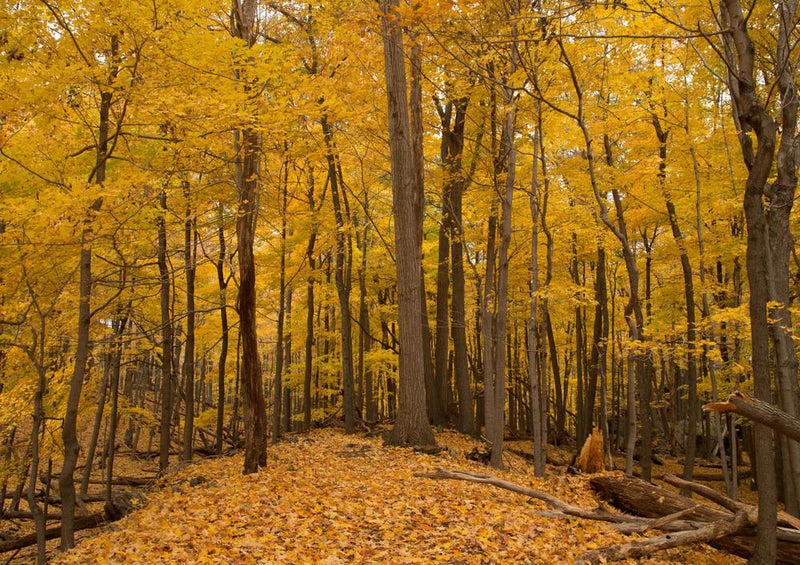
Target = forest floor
(327,498)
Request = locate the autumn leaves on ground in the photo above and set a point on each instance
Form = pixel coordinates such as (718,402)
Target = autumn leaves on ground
(329,498)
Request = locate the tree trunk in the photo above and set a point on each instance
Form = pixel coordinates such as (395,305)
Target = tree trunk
(119,330)
(501,320)
(343,279)
(286,413)
(760,412)
(277,386)
(688,287)
(248,186)
(539,438)
(98,420)
(309,345)
(38,423)
(166,337)
(458,323)
(189,253)
(69,432)
(751,115)
(222,281)
(412,425)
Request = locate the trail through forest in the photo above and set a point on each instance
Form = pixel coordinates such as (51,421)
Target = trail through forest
(328,498)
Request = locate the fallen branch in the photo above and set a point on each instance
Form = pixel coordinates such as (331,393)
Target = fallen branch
(601,513)
(784,518)
(705,492)
(663,522)
(642,548)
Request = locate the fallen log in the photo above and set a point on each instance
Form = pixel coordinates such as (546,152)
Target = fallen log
(682,532)
(551,460)
(642,548)
(21,515)
(83,523)
(117,481)
(784,519)
(717,477)
(758,411)
(121,505)
(644,499)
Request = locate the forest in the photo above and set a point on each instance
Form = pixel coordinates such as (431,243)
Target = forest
(349,281)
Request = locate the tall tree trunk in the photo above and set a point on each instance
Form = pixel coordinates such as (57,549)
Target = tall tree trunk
(580,433)
(501,319)
(371,408)
(189,253)
(442,349)
(287,363)
(248,187)
(309,345)
(466,410)
(98,420)
(222,282)
(539,439)
(688,288)
(166,337)
(69,431)
(343,278)
(37,355)
(751,115)
(277,387)
(781,196)
(433,397)
(412,421)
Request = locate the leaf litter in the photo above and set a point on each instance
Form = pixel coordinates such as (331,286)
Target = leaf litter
(330,499)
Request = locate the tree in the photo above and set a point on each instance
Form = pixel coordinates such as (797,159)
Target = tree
(248,148)
(412,426)
(768,236)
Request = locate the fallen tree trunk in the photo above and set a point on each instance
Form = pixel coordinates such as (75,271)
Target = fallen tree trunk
(551,460)
(784,519)
(758,411)
(687,532)
(20,515)
(642,548)
(717,477)
(686,520)
(117,481)
(645,499)
(83,523)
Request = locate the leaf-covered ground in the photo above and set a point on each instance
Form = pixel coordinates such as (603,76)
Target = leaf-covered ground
(328,498)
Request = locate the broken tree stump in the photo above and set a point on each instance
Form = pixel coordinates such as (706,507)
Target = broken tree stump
(591,457)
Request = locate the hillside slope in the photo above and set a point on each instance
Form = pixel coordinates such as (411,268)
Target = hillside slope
(329,498)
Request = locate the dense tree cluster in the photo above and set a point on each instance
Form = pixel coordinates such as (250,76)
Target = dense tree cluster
(222,223)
